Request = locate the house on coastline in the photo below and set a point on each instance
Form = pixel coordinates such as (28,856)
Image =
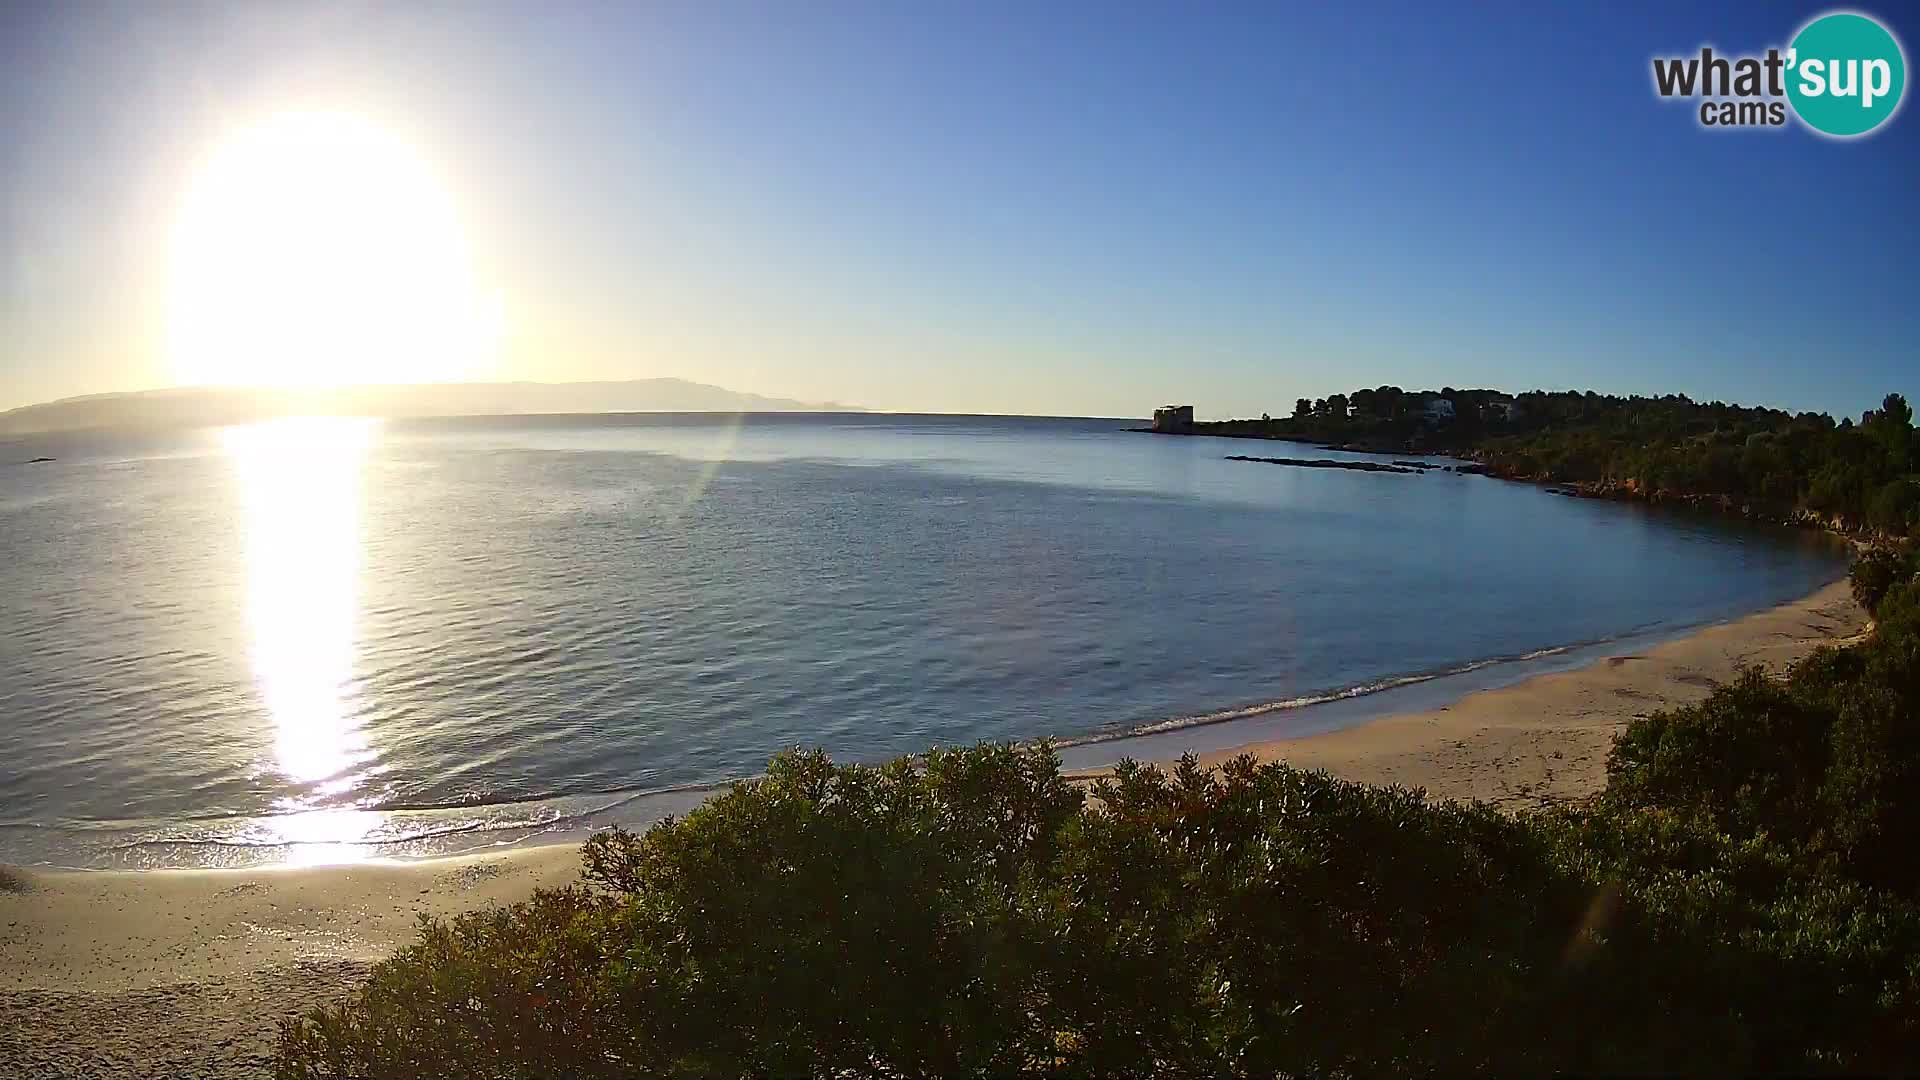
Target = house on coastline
(1173,419)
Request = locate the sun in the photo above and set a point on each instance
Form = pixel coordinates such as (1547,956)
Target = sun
(316,249)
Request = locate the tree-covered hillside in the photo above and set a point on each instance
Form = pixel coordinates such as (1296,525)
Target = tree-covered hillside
(1852,475)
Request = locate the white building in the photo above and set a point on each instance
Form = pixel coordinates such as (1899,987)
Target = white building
(1437,408)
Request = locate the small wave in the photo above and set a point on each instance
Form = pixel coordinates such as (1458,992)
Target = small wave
(704,787)
(1243,712)
(387,839)
(431,829)
(421,830)
(616,799)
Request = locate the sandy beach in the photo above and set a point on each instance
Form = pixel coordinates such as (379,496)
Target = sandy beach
(1545,740)
(183,973)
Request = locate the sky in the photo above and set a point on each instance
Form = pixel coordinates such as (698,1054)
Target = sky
(1059,208)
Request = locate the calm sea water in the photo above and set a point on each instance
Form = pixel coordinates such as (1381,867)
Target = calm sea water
(329,639)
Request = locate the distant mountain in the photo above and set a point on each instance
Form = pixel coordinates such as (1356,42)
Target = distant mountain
(207,406)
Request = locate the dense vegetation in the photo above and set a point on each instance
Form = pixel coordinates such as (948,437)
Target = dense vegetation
(1857,476)
(1743,897)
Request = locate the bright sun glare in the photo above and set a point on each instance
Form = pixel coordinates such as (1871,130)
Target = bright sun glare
(317,249)
(300,484)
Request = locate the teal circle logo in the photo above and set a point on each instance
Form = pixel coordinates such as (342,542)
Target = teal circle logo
(1845,74)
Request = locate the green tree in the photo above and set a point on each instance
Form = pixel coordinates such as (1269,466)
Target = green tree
(1894,505)
(1892,428)
(1393,401)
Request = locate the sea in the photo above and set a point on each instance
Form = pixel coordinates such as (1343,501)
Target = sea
(328,639)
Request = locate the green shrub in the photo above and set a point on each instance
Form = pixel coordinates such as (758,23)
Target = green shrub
(1759,962)
(1749,759)
(819,920)
(1893,506)
(976,915)
(1899,624)
(1876,571)
(1826,761)
(524,990)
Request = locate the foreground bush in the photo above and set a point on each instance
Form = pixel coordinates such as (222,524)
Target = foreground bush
(1877,571)
(1825,761)
(977,915)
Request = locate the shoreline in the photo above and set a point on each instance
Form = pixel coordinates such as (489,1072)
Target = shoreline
(1543,740)
(134,972)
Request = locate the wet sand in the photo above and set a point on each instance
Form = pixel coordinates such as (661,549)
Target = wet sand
(185,972)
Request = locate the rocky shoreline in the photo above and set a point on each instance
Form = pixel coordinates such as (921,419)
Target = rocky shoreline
(1473,463)
(1409,468)
(1723,505)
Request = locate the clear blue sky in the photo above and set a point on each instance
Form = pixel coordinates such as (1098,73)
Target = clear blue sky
(1061,208)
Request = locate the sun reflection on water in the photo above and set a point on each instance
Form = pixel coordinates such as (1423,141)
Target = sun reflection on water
(300,482)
